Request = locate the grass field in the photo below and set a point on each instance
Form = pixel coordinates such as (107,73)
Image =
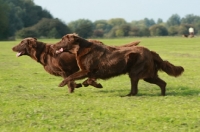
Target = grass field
(31,101)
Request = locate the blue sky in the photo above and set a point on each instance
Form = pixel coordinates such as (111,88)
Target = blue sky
(71,10)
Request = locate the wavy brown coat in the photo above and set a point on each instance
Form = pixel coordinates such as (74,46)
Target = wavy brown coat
(59,65)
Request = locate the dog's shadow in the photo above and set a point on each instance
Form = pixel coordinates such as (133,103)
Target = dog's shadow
(184,91)
(180,91)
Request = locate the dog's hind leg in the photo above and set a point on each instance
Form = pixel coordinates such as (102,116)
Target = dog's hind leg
(162,84)
(134,86)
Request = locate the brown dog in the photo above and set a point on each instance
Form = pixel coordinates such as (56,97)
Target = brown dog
(59,65)
(104,62)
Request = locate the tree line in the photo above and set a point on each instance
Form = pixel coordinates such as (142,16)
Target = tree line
(22,18)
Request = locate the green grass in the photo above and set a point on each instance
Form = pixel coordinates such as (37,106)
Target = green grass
(30,99)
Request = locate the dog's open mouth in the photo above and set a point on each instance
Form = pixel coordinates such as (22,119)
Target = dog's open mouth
(19,53)
(59,51)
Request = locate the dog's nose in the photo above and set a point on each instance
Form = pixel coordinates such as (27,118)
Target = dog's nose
(13,48)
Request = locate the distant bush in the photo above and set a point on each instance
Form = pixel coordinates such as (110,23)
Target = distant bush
(49,28)
(158,30)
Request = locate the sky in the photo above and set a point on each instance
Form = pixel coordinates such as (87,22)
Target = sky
(129,10)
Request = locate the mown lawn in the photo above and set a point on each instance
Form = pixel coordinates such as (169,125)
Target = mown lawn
(30,99)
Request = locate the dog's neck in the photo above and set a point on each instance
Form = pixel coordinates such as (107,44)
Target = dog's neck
(40,53)
(83,43)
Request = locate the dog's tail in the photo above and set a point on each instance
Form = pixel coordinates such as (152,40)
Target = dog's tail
(135,43)
(166,66)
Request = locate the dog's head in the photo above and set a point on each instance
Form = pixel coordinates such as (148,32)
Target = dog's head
(71,43)
(25,46)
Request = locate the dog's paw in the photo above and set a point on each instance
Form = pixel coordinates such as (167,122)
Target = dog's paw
(78,85)
(85,84)
(99,86)
(62,84)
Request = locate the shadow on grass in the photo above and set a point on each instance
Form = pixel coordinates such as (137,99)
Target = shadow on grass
(184,91)
(179,91)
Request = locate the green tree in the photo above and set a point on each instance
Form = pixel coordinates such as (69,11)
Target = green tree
(158,30)
(148,22)
(112,33)
(24,13)
(173,30)
(3,20)
(53,33)
(15,18)
(134,31)
(82,27)
(27,32)
(116,22)
(100,28)
(125,28)
(159,21)
(190,19)
(174,20)
(144,31)
(143,23)
(47,25)
(119,33)
(50,28)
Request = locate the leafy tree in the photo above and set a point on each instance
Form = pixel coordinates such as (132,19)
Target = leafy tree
(159,21)
(119,33)
(102,25)
(148,22)
(144,31)
(116,22)
(174,20)
(190,19)
(24,13)
(27,32)
(137,24)
(15,18)
(33,14)
(158,30)
(53,33)
(82,27)
(134,31)
(173,30)
(50,28)
(125,28)
(112,32)
(3,20)
(46,25)
(143,23)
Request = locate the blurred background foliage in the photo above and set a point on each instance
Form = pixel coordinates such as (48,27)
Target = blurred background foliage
(23,18)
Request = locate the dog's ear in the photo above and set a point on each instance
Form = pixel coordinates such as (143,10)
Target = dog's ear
(32,42)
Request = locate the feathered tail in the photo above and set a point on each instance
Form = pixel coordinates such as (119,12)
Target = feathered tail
(166,66)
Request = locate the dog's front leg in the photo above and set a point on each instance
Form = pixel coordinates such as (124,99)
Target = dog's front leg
(77,75)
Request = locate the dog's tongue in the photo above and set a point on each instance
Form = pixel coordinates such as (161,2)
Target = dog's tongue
(59,51)
(18,54)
